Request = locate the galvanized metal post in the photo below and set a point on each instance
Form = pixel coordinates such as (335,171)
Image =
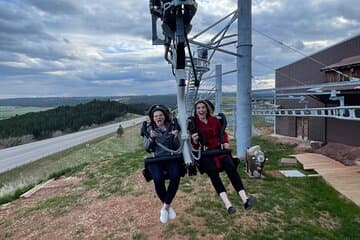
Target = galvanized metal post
(218,94)
(243,96)
(274,114)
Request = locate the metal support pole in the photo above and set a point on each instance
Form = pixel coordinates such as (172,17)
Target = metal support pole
(180,76)
(275,115)
(218,94)
(182,118)
(243,99)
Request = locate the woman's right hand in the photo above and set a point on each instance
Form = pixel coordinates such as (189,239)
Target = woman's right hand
(195,137)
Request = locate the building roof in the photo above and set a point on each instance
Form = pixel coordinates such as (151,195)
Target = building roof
(346,62)
(341,88)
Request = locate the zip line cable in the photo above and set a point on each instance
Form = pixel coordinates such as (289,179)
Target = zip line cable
(298,51)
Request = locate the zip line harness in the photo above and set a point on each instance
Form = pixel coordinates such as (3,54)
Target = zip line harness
(197,154)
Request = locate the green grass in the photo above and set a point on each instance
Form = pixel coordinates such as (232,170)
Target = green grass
(57,205)
(259,121)
(16,193)
(287,208)
(111,178)
(66,162)
(10,111)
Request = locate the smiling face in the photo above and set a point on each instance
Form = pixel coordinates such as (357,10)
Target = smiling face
(159,118)
(201,110)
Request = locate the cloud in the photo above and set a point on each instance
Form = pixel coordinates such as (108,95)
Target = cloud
(58,7)
(88,47)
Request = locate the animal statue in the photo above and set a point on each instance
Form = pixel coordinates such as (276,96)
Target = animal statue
(255,161)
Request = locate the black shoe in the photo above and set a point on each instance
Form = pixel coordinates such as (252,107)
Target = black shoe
(231,210)
(250,203)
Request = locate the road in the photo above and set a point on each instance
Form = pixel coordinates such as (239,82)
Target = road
(20,155)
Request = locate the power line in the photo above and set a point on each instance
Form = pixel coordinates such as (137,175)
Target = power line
(281,73)
(298,51)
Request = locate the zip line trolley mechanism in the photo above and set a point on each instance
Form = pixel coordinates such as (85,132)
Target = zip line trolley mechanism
(176,16)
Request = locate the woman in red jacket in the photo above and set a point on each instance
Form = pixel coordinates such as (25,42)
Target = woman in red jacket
(208,127)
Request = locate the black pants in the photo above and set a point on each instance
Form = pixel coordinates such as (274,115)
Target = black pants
(157,171)
(208,165)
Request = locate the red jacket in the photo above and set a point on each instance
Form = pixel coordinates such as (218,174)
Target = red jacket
(210,131)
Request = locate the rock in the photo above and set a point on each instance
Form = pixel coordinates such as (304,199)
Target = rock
(316,144)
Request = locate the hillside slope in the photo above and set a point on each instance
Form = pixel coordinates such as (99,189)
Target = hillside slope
(109,199)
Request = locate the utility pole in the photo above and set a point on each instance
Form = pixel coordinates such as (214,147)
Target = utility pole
(243,95)
(218,94)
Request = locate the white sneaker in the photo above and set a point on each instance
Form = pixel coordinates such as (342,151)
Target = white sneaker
(172,213)
(164,215)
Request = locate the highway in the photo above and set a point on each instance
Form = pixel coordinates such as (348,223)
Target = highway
(20,155)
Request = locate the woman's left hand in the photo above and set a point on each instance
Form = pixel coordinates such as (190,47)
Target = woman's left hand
(226,145)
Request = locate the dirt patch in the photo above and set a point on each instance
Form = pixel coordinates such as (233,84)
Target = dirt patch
(116,217)
(348,155)
(266,130)
(299,145)
(51,187)
(328,222)
(134,216)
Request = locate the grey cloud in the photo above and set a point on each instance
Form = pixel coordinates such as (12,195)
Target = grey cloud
(308,18)
(64,7)
(85,41)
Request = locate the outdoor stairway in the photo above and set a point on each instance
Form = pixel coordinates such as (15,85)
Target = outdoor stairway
(201,66)
(345,179)
(191,93)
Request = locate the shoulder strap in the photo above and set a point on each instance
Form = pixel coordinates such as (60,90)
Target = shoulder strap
(143,131)
(194,129)
(223,123)
(176,124)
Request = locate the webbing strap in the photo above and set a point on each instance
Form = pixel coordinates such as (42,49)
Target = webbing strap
(177,157)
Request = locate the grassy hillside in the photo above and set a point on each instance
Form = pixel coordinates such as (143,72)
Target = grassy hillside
(111,200)
(66,119)
(49,101)
(11,111)
(168,100)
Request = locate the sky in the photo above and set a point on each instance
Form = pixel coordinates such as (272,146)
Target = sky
(66,48)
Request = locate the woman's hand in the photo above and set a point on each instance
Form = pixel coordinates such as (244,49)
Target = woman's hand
(175,133)
(195,138)
(152,134)
(226,145)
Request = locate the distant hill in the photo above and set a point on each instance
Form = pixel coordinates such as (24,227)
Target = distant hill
(168,100)
(66,118)
(48,101)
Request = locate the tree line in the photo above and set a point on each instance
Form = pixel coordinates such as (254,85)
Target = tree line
(67,119)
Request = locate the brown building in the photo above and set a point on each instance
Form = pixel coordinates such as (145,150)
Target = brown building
(338,63)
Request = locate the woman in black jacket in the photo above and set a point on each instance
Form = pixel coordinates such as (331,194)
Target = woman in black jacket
(162,134)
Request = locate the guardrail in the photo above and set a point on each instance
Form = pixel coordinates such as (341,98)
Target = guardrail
(345,112)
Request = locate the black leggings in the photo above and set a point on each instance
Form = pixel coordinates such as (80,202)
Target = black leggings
(208,165)
(166,195)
